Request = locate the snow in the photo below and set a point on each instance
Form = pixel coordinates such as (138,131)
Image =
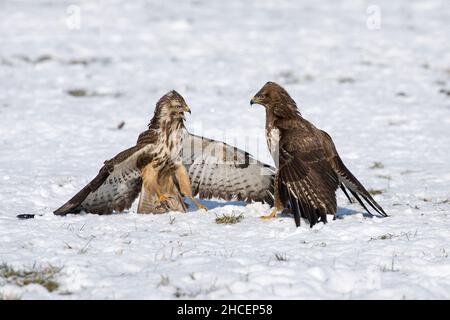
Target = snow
(382,94)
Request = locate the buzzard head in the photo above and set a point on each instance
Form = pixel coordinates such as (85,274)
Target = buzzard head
(275,98)
(171,107)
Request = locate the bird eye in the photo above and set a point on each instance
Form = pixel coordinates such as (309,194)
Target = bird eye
(178,106)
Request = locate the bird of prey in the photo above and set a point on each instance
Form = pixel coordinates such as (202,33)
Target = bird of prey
(309,169)
(153,167)
(168,163)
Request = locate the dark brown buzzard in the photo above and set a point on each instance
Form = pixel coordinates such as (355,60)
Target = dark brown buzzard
(309,169)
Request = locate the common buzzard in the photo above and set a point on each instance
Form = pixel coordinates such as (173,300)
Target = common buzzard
(153,167)
(309,169)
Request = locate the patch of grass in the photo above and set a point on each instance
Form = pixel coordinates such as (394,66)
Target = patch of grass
(384,176)
(346,80)
(87,61)
(39,59)
(44,276)
(229,218)
(444,91)
(43,58)
(164,281)
(77,92)
(377,165)
(281,257)
(390,268)
(374,192)
(181,293)
(386,236)
(408,235)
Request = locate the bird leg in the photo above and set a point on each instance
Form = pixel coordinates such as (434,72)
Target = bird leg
(185,185)
(277,203)
(198,204)
(161,196)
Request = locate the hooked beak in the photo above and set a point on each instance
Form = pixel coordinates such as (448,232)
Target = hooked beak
(186,109)
(255,100)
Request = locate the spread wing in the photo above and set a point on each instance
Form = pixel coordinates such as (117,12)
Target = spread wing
(307,181)
(117,184)
(218,170)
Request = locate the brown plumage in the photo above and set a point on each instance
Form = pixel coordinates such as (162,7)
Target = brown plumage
(148,167)
(309,169)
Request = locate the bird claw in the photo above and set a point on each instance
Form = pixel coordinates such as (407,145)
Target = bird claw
(198,204)
(266,217)
(272,215)
(163,198)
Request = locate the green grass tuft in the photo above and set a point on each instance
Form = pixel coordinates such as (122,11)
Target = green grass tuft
(77,93)
(229,219)
(281,257)
(377,165)
(375,192)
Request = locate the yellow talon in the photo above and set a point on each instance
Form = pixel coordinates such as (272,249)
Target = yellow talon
(162,197)
(272,215)
(198,204)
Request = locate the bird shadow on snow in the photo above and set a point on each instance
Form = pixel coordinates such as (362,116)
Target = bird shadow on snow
(340,214)
(213,204)
(343,212)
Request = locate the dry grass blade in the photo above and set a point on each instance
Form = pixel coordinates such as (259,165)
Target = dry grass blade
(229,218)
(44,276)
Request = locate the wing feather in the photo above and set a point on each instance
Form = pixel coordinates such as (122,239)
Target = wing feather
(218,170)
(304,168)
(117,183)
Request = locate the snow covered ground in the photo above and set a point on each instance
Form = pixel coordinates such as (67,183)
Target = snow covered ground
(383,95)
